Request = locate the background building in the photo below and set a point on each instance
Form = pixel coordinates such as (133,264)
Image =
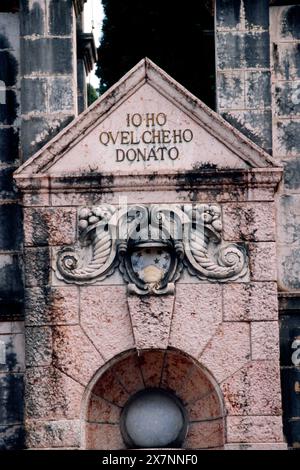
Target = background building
(44,59)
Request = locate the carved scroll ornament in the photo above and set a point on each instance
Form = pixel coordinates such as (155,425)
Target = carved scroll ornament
(150,245)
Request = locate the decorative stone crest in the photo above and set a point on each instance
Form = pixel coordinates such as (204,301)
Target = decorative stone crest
(150,245)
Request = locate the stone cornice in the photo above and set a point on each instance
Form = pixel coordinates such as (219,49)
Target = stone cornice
(86,50)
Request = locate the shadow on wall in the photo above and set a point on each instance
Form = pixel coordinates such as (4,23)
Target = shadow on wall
(169,371)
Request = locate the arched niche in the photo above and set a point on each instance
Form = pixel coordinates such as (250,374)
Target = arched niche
(171,371)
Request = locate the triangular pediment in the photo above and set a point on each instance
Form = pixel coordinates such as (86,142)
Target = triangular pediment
(146,123)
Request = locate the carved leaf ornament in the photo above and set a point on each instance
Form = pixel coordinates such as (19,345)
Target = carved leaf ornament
(151,245)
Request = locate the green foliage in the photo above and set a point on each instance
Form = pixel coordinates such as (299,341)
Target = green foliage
(92,94)
(177,38)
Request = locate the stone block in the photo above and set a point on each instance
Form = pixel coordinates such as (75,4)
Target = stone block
(52,434)
(37,266)
(34,95)
(37,131)
(75,354)
(8,189)
(52,395)
(253,301)
(104,437)
(11,399)
(197,386)
(258,90)
(228,351)
(256,13)
(11,281)
(254,390)
(11,234)
(257,446)
(9,145)
(61,95)
(291,178)
(176,371)
(265,340)
(287,137)
(231,49)
(289,267)
(262,259)
(33,17)
(13,352)
(288,215)
(205,435)
(151,320)
(105,319)
(52,306)
(60,17)
(151,363)
(10,32)
(196,318)
(205,408)
(51,226)
(231,90)
(286,99)
(110,389)
(249,221)
(254,429)
(101,411)
(47,55)
(129,374)
(290,22)
(286,60)
(38,346)
(254,124)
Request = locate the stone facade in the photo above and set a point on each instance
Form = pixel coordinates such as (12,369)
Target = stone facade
(151,242)
(204,326)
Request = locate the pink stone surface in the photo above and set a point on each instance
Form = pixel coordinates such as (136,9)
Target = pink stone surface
(39,346)
(52,306)
(103,437)
(53,226)
(262,259)
(254,390)
(151,319)
(52,434)
(151,364)
(207,407)
(254,429)
(128,372)
(250,301)
(265,340)
(205,435)
(257,446)
(110,389)
(101,411)
(228,351)
(75,354)
(249,221)
(176,371)
(197,316)
(50,394)
(196,386)
(105,319)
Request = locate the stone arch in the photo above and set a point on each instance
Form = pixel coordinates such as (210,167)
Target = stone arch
(133,371)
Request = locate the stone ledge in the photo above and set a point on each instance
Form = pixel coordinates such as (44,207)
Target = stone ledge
(86,50)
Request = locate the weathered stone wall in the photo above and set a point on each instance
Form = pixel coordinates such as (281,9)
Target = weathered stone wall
(74,331)
(11,289)
(48,69)
(243,67)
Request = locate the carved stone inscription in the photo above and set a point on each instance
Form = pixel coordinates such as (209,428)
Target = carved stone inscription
(151,245)
(146,137)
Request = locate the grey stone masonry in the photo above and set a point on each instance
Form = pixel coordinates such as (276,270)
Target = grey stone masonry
(48,70)
(285,58)
(243,67)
